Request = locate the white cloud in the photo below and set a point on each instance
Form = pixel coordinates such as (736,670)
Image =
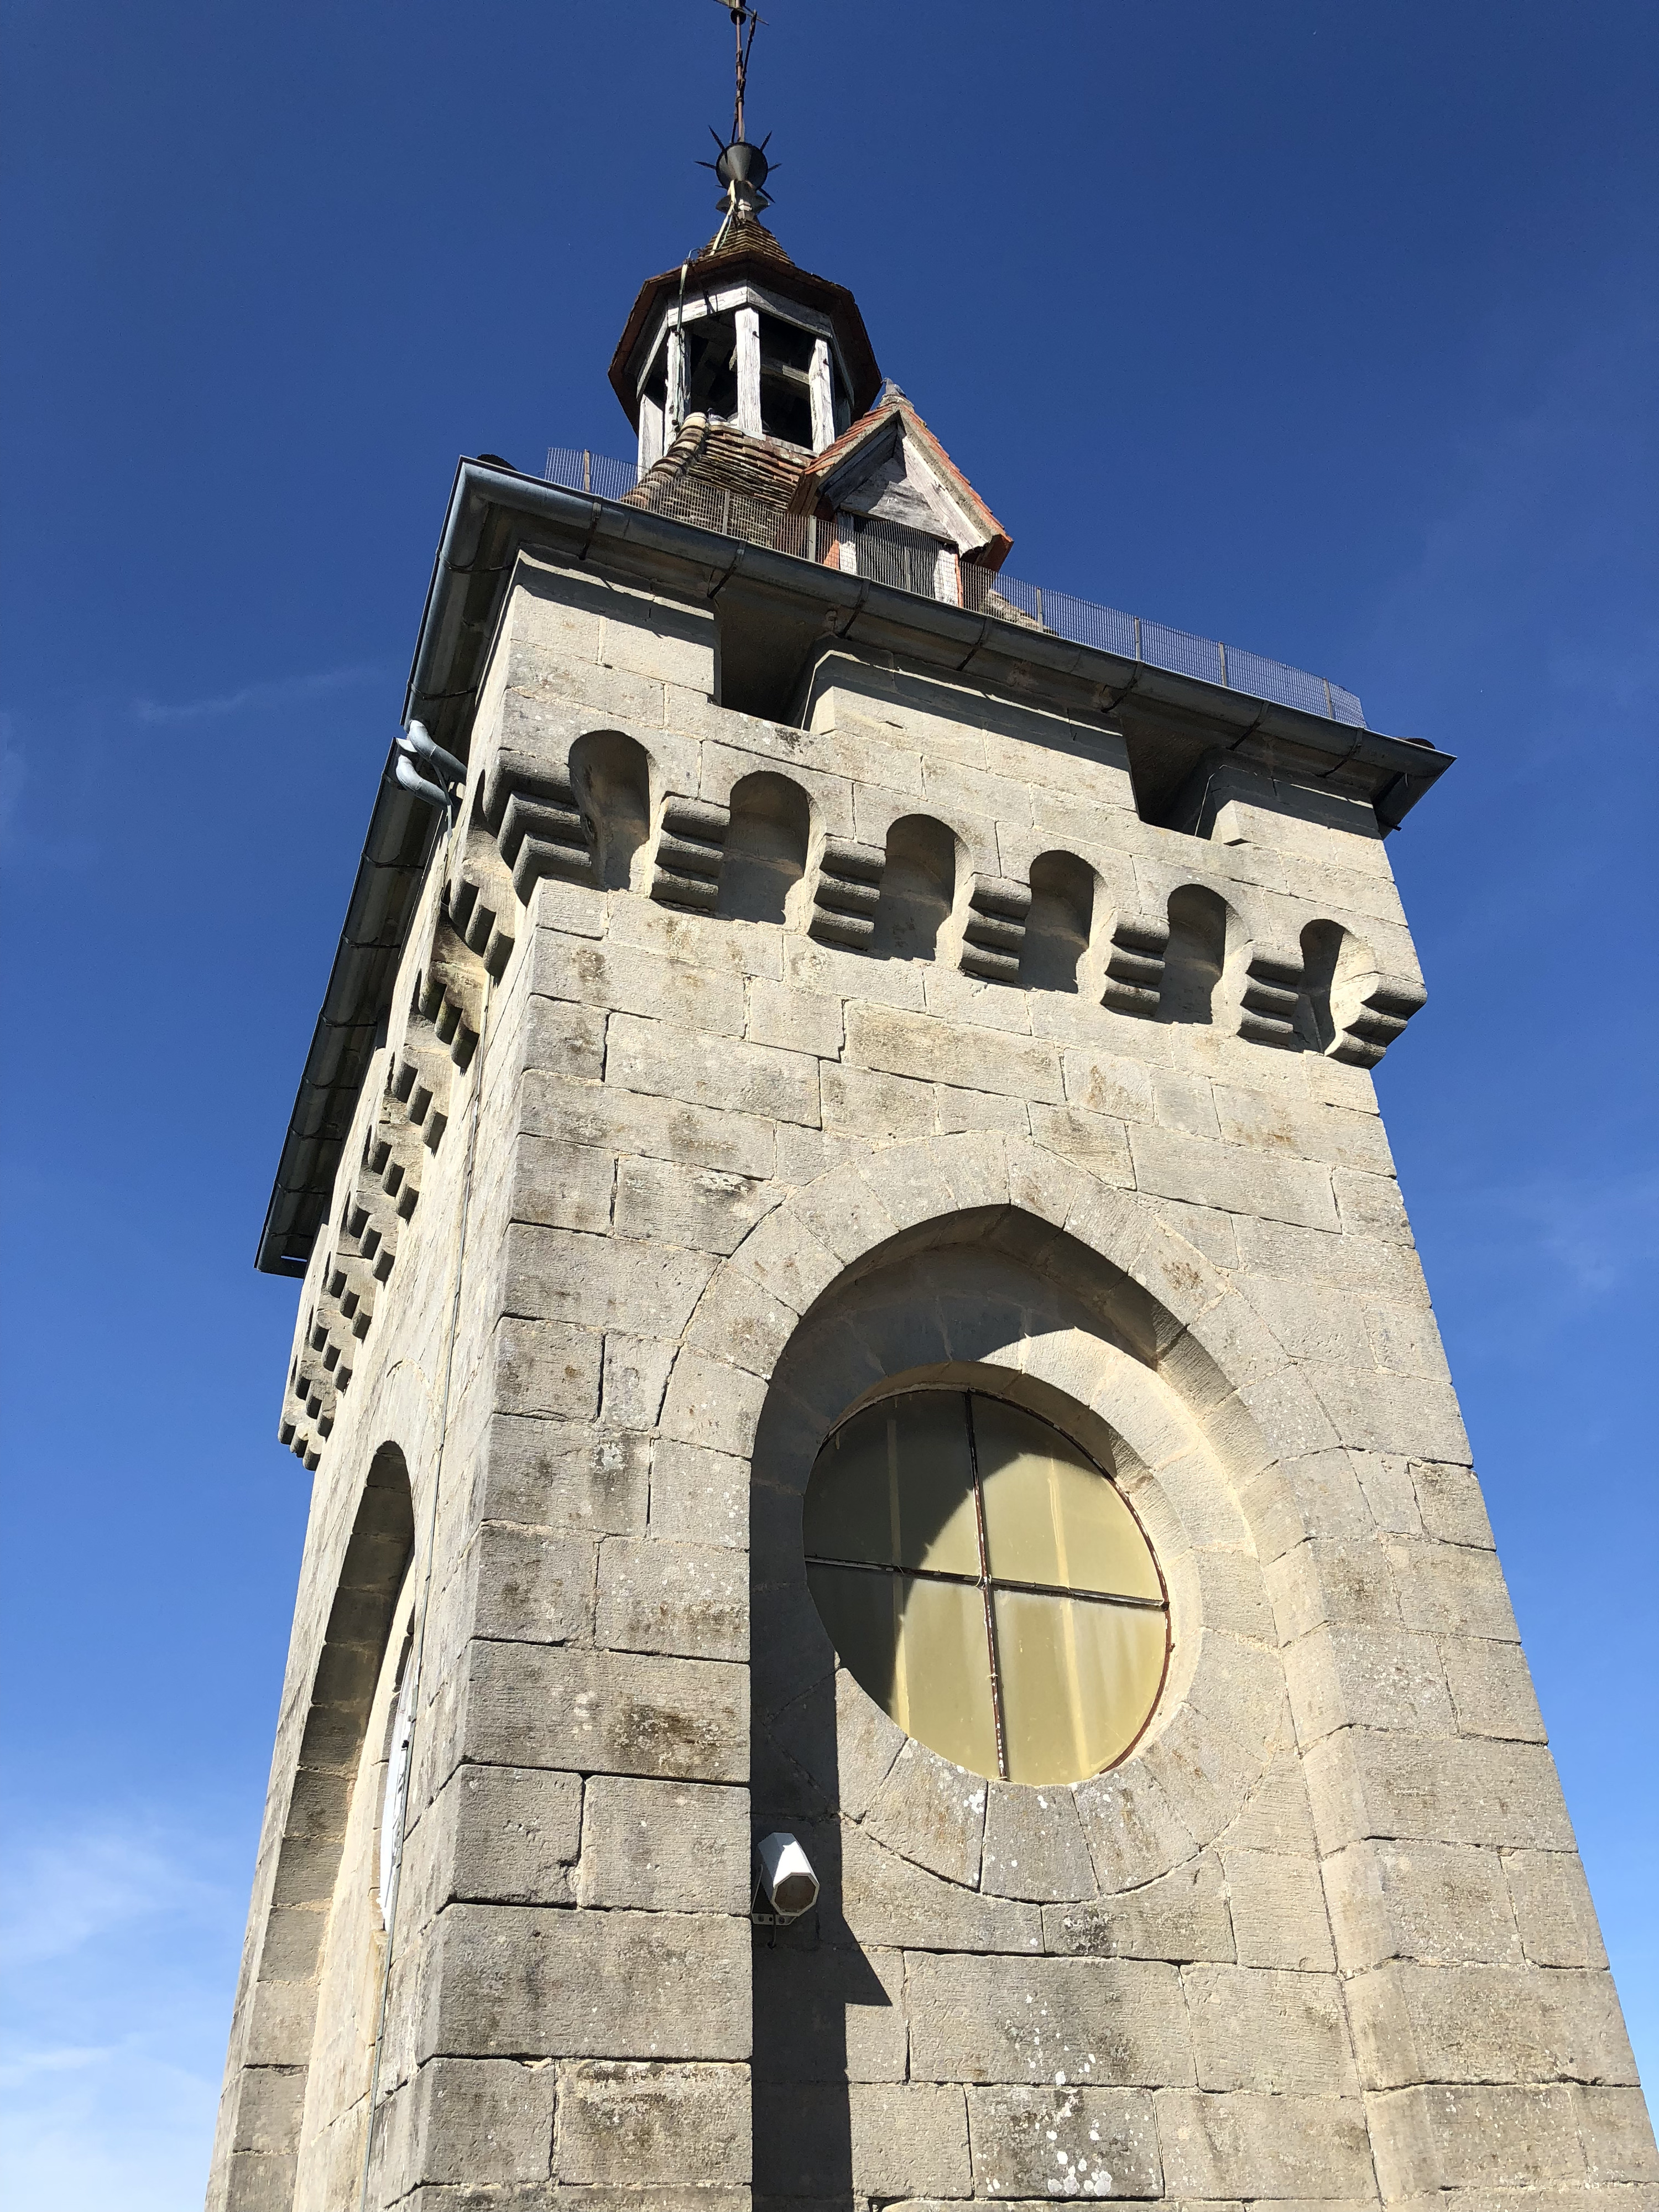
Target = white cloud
(65,1893)
(285,691)
(119,1936)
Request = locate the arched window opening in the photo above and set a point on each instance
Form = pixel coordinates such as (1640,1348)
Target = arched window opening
(711,367)
(1338,968)
(765,854)
(394,1796)
(918,888)
(988,1585)
(317,1947)
(610,776)
(1195,957)
(1058,926)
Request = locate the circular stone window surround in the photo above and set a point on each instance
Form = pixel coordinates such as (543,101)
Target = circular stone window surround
(1222,1713)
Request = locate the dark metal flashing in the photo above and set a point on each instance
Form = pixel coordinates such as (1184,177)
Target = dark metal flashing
(494,514)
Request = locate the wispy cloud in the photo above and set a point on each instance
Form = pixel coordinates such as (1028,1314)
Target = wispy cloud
(257,698)
(119,1934)
(65,1893)
(1596,1236)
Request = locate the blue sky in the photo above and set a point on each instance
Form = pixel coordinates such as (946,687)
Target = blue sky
(1332,331)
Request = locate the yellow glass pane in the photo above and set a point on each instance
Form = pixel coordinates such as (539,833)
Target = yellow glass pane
(919,1649)
(895,1484)
(860,1612)
(1078,1683)
(944,1673)
(1050,1515)
(939,1527)
(849,1501)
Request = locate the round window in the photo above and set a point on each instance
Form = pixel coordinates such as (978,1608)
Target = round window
(986,1586)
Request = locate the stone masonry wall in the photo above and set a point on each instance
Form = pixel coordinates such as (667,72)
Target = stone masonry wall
(736,1069)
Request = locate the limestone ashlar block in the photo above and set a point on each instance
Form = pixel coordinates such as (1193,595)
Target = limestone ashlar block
(887,1901)
(531,1584)
(1452,1589)
(708,1209)
(1244,2144)
(558,1473)
(1495,2024)
(1370,1206)
(555,1276)
(635,1376)
(479,2122)
(268,2112)
(1134,1828)
(861,1103)
(699,940)
(1300,1128)
(1067,2142)
(664,1846)
(1492,1688)
(562,1186)
(1095,1141)
(794,1020)
(607,1117)
(886,2140)
(602,1713)
(1439,1904)
(1333,1582)
(1479,2139)
(661,1060)
(739,1321)
(562,1035)
(631,2126)
(837,2012)
(1453,1510)
(1170,1164)
(930,1050)
(1108,2022)
(1277,1904)
(1378,1677)
(930,1812)
(699,1495)
(1181,1915)
(1256,2027)
(686,1599)
(1617,2135)
(635,979)
(1034,1846)
(1392,1786)
(514,1981)
(1277,1817)
(544,1367)
(505,1835)
(712,1405)
(1551,1901)
(260,2181)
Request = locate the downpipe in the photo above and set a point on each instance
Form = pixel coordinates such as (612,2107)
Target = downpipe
(417,751)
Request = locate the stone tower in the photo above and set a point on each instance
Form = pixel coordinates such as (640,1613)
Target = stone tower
(853,1288)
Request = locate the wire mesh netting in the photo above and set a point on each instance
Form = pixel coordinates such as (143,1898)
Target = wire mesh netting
(578,469)
(909,562)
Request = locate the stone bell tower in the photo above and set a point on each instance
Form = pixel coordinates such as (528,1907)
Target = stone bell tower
(852,1287)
